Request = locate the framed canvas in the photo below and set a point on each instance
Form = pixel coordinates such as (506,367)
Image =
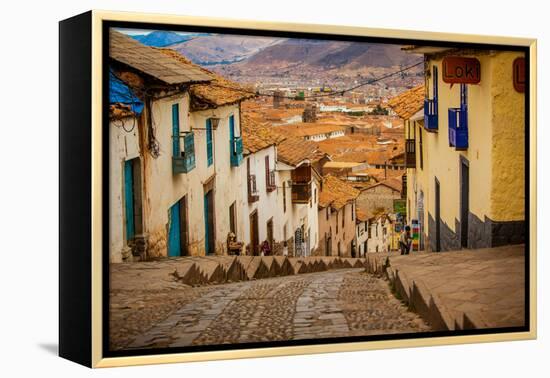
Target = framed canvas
(234,189)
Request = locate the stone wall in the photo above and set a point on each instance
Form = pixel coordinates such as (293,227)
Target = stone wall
(481,234)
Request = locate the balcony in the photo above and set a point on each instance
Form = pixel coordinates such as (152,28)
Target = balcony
(301,192)
(430,115)
(184,162)
(253,194)
(410,153)
(236,151)
(458,128)
(270,181)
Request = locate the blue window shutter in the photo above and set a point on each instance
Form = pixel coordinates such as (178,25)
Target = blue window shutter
(209,150)
(232,135)
(175,130)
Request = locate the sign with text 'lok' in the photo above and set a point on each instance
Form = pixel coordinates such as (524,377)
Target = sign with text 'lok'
(519,74)
(460,70)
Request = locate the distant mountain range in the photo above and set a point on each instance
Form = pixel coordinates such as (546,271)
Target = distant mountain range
(161,38)
(222,49)
(331,55)
(249,52)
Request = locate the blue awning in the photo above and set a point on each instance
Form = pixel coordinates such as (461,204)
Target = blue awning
(120,93)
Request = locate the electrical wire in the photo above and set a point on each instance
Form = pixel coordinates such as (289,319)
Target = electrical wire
(338,92)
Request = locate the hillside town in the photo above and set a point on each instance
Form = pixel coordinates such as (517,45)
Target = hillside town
(220,172)
(289,164)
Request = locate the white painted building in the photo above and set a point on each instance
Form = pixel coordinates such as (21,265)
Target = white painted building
(189,152)
(379,234)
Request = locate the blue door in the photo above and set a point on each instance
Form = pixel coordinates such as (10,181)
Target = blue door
(174,241)
(175,130)
(129,199)
(208,223)
(209,147)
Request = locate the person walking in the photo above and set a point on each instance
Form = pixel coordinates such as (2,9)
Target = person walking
(405,240)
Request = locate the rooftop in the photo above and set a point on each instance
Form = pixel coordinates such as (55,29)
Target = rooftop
(152,62)
(409,102)
(220,91)
(294,150)
(257,136)
(309,129)
(336,193)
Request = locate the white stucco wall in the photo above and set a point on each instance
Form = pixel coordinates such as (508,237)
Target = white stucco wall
(124,145)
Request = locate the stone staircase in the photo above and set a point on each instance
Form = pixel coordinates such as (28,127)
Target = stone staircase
(206,270)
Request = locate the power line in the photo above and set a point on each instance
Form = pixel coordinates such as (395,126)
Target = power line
(339,92)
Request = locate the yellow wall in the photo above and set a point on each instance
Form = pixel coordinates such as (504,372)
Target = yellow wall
(508,187)
(495,152)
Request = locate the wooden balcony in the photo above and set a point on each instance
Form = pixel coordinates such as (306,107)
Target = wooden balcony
(458,128)
(430,115)
(184,162)
(301,192)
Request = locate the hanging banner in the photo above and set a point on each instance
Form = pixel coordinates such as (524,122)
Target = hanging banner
(519,74)
(457,69)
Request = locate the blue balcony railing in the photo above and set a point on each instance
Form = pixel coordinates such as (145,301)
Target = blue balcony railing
(236,151)
(430,115)
(458,128)
(185,161)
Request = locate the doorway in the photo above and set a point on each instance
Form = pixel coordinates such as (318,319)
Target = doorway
(254,233)
(437,216)
(209,241)
(178,229)
(464,201)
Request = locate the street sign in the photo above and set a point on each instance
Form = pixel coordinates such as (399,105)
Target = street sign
(457,69)
(519,74)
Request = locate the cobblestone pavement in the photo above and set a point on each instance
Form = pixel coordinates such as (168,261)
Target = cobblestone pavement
(335,303)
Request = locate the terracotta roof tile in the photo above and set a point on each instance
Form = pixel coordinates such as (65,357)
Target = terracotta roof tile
(257,136)
(336,193)
(408,103)
(219,91)
(294,150)
(308,129)
(152,62)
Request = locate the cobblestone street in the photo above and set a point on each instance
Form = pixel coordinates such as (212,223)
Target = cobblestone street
(336,303)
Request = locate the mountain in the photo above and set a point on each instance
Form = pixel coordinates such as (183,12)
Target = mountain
(161,38)
(222,49)
(330,55)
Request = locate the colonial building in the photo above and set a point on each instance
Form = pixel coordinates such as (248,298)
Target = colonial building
(190,152)
(260,218)
(298,167)
(380,234)
(466,149)
(380,197)
(361,231)
(337,223)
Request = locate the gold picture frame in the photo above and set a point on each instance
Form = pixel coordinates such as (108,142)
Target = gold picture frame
(92,326)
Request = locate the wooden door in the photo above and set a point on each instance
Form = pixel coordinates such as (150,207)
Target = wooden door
(254,233)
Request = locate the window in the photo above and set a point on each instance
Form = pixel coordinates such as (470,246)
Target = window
(337,222)
(328,212)
(175,130)
(233,218)
(352,211)
(209,143)
(284,197)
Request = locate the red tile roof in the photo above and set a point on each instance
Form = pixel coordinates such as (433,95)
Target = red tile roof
(408,103)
